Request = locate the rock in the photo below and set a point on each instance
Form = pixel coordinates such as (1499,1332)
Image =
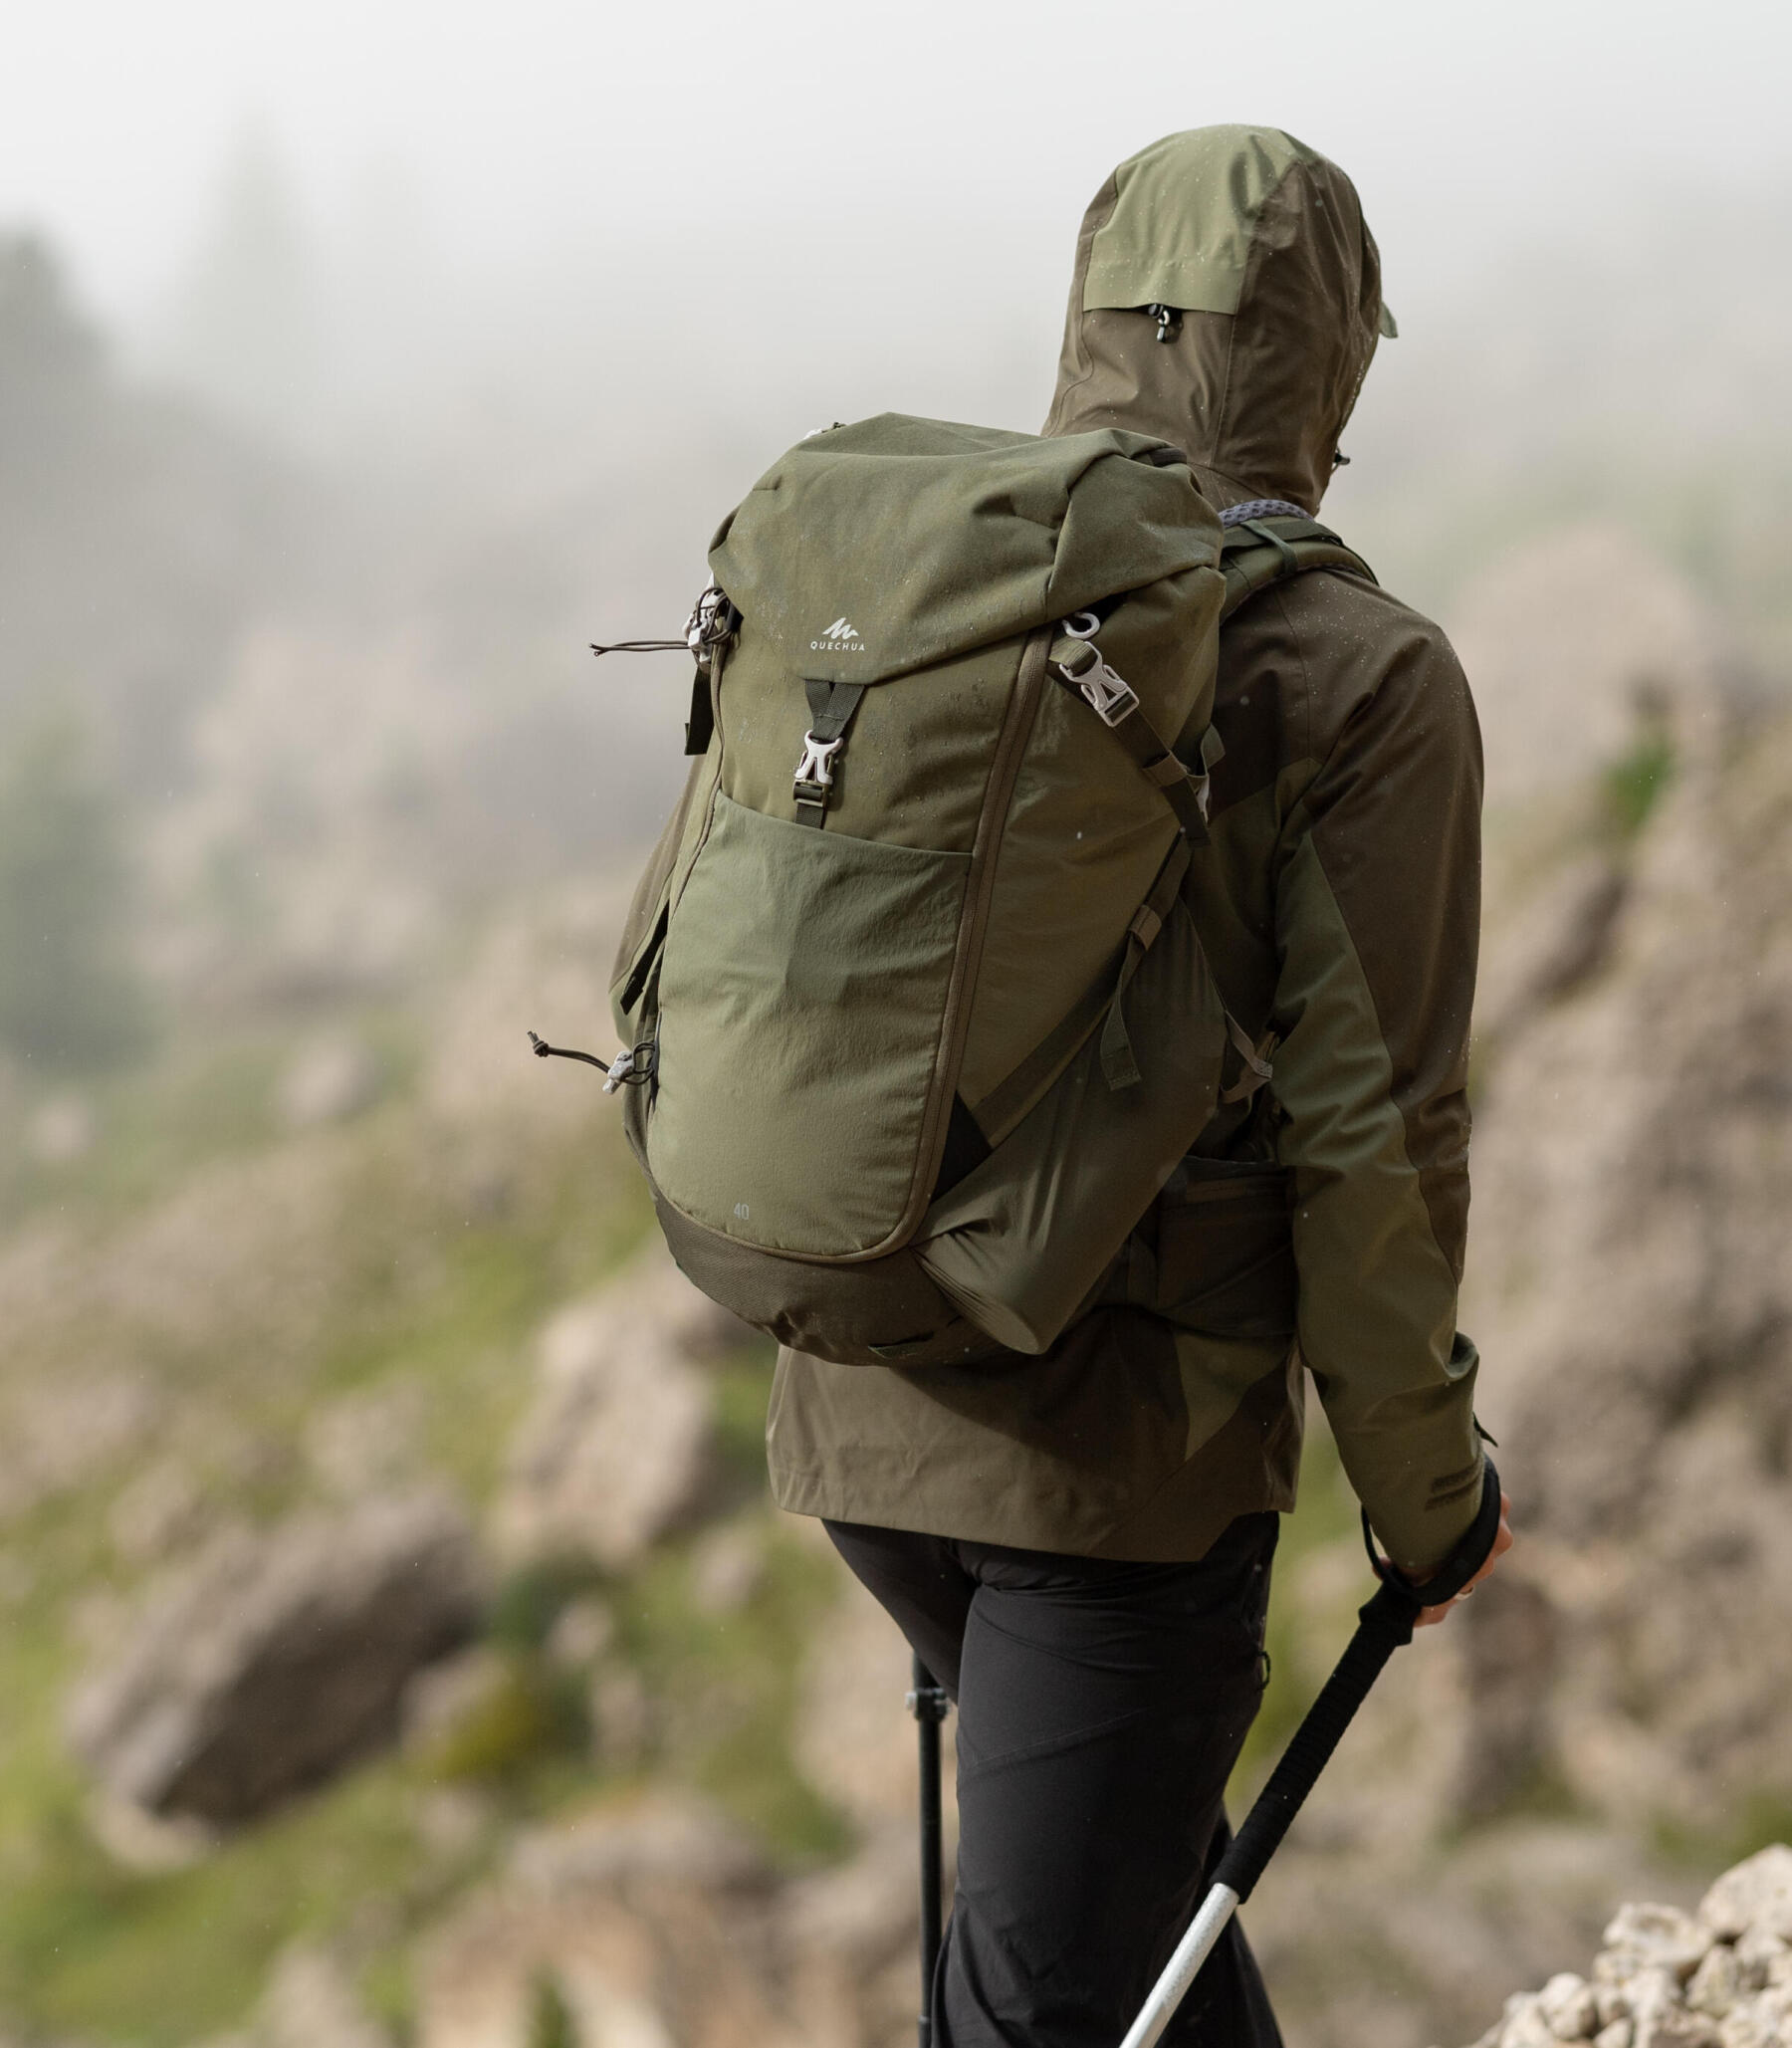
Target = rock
(1665,1979)
(856,1742)
(636,1916)
(1763,1958)
(1643,1937)
(728,1568)
(582,1631)
(309,2003)
(664,1837)
(276,1658)
(447,1694)
(1568,2004)
(1755,1897)
(1510,1656)
(328,1083)
(1526,2025)
(1626,1990)
(1675,2027)
(1763,2021)
(616,1449)
(1559,636)
(1629,1272)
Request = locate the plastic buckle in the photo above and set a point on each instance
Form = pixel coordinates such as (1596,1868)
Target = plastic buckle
(816,765)
(1110,696)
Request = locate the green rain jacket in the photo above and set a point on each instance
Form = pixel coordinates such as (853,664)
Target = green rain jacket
(1339,905)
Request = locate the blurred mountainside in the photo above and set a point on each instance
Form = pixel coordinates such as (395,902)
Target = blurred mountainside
(397,1643)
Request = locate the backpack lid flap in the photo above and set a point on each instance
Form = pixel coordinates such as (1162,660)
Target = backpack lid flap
(880,548)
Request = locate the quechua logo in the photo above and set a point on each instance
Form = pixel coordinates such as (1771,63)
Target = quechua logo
(842,637)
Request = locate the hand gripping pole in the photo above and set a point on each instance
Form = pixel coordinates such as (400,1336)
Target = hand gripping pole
(1384,1623)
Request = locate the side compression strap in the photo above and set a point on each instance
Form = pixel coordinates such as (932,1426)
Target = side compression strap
(1157,761)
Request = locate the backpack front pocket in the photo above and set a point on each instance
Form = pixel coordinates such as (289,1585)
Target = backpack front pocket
(803,986)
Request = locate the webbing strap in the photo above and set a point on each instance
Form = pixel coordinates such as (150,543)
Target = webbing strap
(1002,1107)
(706,685)
(1255,1069)
(832,706)
(1268,542)
(1119,1064)
(1159,763)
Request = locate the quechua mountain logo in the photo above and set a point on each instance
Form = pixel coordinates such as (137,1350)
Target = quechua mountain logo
(842,637)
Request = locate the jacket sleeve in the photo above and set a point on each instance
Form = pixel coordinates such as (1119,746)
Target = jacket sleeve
(1378,906)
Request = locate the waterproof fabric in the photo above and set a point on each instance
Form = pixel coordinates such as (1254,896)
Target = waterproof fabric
(1338,908)
(1260,390)
(1100,1710)
(903,1036)
(931,539)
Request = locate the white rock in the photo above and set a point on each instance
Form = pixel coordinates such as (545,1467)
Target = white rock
(1568,2004)
(1658,1936)
(1624,1991)
(1763,2021)
(1717,1982)
(1755,1894)
(1759,1954)
(1672,2027)
(1617,2035)
(1525,2026)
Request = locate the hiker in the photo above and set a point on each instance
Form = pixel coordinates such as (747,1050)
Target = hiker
(1078,1544)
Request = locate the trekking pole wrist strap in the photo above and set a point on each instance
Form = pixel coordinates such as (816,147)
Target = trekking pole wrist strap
(1450,1578)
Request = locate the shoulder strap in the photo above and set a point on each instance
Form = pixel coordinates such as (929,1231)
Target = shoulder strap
(1268,540)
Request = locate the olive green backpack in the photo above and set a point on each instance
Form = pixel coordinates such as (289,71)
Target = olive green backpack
(917,1019)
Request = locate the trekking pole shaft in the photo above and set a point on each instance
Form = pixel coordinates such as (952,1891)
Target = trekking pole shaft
(929,1703)
(1205,1930)
(1386,1622)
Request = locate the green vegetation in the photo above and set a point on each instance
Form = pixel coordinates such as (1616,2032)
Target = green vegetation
(1633,785)
(551,2023)
(425,1261)
(69,1000)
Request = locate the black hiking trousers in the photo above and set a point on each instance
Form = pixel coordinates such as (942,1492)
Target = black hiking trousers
(1101,1706)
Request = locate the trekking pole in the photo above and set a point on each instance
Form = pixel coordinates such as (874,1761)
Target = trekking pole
(1384,1623)
(927,1702)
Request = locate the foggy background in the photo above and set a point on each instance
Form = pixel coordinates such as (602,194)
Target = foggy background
(358,366)
(363,365)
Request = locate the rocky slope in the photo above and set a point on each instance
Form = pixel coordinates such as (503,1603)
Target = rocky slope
(622,1759)
(1663,1978)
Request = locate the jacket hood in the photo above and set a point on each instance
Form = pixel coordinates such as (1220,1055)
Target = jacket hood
(1256,247)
